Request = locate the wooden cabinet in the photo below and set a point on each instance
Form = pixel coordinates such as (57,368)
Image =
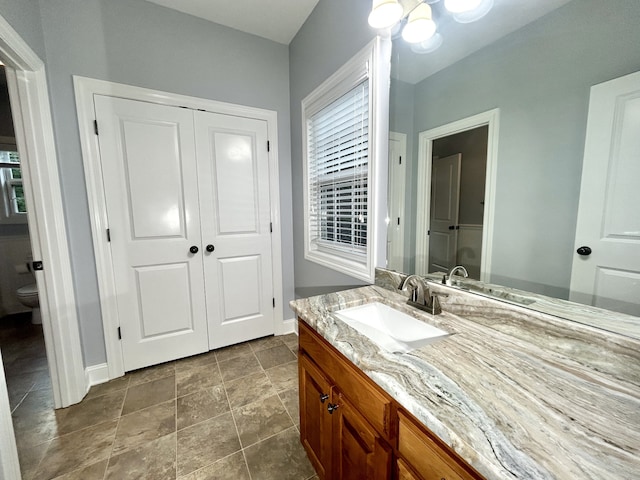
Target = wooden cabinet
(342,441)
(424,453)
(359,452)
(353,430)
(404,471)
(315,422)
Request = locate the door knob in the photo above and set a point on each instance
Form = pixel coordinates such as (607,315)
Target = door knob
(194,249)
(210,248)
(584,251)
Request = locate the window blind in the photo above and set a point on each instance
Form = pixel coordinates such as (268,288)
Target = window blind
(338,171)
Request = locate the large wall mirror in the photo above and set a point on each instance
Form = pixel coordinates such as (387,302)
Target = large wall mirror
(492,128)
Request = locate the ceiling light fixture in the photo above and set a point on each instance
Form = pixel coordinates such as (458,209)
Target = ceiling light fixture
(415,18)
(476,14)
(385,13)
(461,6)
(420,26)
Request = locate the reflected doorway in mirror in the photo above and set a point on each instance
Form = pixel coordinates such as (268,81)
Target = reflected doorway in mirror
(474,226)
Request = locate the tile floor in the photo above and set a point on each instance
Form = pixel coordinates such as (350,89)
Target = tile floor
(226,414)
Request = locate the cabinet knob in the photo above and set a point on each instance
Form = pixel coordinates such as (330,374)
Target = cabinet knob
(194,249)
(332,407)
(210,248)
(323,397)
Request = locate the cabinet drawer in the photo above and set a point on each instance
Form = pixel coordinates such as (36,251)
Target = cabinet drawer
(427,457)
(371,401)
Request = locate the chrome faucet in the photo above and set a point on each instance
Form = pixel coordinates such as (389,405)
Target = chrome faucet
(447,278)
(420,296)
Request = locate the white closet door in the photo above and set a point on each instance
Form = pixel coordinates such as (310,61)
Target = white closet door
(150,177)
(233,173)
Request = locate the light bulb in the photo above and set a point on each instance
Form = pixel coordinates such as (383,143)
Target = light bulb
(461,6)
(420,26)
(427,46)
(385,13)
(474,15)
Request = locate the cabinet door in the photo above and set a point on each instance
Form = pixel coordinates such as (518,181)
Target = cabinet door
(359,453)
(404,472)
(425,456)
(315,421)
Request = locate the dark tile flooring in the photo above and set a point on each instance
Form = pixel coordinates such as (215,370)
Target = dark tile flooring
(227,414)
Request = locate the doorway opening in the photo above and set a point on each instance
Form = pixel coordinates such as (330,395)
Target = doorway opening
(458,166)
(455,195)
(21,336)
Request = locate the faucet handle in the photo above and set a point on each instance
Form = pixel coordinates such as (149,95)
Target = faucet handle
(434,302)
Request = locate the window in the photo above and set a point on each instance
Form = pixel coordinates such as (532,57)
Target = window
(339,127)
(15,207)
(338,170)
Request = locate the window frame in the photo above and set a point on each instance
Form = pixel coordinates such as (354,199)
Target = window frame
(8,213)
(371,64)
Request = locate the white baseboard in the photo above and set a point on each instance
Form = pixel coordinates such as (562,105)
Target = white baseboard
(289,326)
(96,374)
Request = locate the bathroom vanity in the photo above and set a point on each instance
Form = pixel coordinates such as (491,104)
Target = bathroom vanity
(351,428)
(509,393)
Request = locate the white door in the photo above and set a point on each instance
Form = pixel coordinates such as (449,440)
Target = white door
(609,209)
(396,226)
(234,188)
(445,202)
(150,176)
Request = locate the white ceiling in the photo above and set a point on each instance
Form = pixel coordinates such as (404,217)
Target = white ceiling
(277,20)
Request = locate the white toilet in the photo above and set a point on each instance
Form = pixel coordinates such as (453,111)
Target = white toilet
(28,296)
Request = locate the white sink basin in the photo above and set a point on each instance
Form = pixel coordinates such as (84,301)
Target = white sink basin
(389,328)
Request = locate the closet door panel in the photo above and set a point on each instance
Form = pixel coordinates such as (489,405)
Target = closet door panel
(150,178)
(233,178)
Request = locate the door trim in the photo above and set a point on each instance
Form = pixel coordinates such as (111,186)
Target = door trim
(85,89)
(397,183)
(28,91)
(425,152)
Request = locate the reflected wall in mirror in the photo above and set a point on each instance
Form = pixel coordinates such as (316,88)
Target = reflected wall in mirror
(539,79)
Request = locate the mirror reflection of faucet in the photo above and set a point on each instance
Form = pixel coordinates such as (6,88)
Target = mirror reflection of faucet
(447,280)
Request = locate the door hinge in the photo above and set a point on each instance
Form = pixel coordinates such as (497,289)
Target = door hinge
(398,220)
(271,227)
(400,158)
(428,232)
(274,302)
(108,234)
(95,126)
(268,146)
(119,334)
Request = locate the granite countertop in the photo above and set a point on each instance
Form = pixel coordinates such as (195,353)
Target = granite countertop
(611,321)
(518,394)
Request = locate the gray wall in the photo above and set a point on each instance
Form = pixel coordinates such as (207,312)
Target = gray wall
(334,32)
(24,17)
(540,78)
(139,43)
